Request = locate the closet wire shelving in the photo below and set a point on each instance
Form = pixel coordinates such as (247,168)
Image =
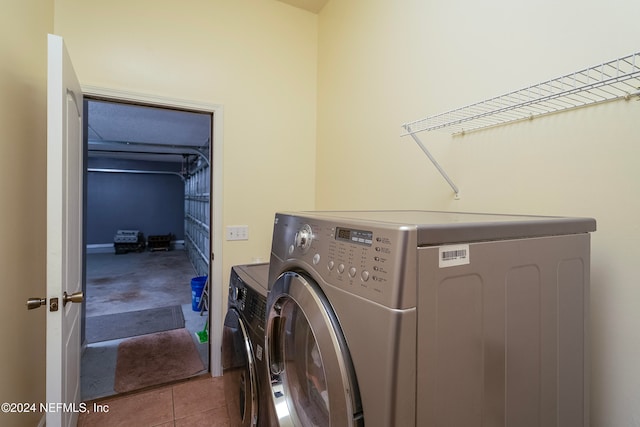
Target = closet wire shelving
(617,79)
(609,81)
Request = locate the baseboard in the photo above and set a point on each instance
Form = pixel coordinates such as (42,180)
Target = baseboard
(101,248)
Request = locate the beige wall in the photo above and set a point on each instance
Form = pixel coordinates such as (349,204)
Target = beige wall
(383,63)
(255,58)
(379,64)
(23,100)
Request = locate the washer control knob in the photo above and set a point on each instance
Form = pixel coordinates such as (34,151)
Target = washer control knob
(340,268)
(304,236)
(364,275)
(352,272)
(316,259)
(330,265)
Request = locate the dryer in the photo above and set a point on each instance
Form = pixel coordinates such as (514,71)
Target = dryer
(419,318)
(243,361)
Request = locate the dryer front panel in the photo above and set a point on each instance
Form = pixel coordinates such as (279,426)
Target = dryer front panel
(312,378)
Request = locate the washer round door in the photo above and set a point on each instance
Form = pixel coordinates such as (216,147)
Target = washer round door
(239,372)
(313,382)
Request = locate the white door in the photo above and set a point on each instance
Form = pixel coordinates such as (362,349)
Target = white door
(64,236)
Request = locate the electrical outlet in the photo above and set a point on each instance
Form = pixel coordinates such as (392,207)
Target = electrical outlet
(237,232)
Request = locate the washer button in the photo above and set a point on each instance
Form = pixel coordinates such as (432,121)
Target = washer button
(341,268)
(330,265)
(316,259)
(352,272)
(364,275)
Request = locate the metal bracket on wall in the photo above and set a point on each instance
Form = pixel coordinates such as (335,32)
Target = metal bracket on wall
(609,81)
(455,188)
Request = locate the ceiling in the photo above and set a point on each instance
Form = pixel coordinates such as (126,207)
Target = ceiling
(129,131)
(313,6)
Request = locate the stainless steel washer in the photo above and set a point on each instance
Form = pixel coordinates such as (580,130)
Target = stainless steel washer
(243,359)
(414,318)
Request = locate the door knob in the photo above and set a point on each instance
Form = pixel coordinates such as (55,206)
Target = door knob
(74,297)
(35,303)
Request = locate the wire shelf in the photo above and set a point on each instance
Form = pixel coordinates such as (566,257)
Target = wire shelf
(608,81)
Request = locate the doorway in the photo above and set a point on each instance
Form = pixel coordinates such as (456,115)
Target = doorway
(147,234)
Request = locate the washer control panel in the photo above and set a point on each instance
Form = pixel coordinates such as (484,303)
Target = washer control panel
(368,261)
(247,301)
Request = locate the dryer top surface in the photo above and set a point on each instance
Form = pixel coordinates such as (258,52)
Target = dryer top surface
(437,227)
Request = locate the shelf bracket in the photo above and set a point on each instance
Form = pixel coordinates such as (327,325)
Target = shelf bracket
(434,161)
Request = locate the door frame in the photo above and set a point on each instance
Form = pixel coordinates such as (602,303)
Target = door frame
(215,226)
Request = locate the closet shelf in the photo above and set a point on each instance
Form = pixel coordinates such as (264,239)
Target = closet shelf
(617,79)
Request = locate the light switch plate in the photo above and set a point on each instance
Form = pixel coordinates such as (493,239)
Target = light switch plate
(237,232)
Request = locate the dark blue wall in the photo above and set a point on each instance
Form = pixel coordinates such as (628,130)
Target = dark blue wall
(153,204)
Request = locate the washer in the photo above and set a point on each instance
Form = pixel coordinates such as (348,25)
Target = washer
(418,318)
(243,362)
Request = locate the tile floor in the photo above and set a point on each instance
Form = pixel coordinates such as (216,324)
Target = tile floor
(195,402)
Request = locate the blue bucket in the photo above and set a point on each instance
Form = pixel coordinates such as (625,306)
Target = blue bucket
(197,285)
